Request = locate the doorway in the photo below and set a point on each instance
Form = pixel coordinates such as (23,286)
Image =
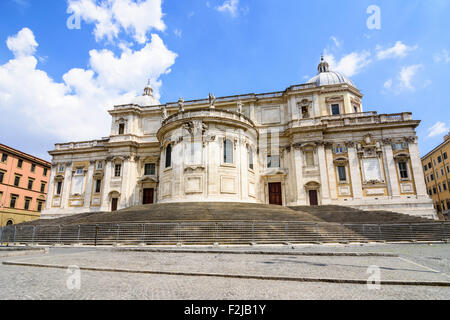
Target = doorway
(313,199)
(114,203)
(275,196)
(148,196)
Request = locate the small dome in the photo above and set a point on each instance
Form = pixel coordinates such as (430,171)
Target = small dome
(147,98)
(327,77)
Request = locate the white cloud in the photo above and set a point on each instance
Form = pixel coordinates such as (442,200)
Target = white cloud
(22,44)
(399,50)
(336,41)
(388,84)
(229,6)
(178,33)
(350,64)
(406,75)
(442,56)
(75,109)
(112,16)
(437,129)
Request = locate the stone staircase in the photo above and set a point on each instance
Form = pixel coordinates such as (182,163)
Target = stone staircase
(341,214)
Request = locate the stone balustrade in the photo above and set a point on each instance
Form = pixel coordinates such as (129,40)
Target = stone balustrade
(80,145)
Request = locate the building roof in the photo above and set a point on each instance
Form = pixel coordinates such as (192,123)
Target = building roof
(325,77)
(446,140)
(18,153)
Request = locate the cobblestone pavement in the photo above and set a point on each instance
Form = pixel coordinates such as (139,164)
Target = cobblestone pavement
(416,262)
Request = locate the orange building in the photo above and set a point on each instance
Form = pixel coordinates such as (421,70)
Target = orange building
(436,166)
(23,186)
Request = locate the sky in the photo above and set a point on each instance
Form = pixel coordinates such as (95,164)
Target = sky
(65,63)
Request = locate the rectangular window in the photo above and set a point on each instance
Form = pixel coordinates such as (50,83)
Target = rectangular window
(305,112)
(12,203)
(432,177)
(442,171)
(335,109)
(45,172)
(434,190)
(100,165)
(39,207)
(79,171)
(58,188)
(150,169)
(117,170)
(439,159)
(20,163)
(448,169)
(342,174)
(33,167)
(122,128)
(27,204)
(250,158)
(425,168)
(403,168)
(4,157)
(16,181)
(43,187)
(30,184)
(429,165)
(445,155)
(444,185)
(61,168)
(429,192)
(2,174)
(98,186)
(273,161)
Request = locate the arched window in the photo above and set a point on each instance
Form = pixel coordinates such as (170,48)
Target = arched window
(250,158)
(228,151)
(9,223)
(169,156)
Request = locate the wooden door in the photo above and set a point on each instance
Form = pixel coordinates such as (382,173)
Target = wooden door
(148,196)
(114,202)
(313,200)
(275,196)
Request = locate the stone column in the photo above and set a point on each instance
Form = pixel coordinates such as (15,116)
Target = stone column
(50,188)
(298,165)
(67,184)
(316,106)
(331,175)
(323,174)
(89,181)
(106,187)
(417,168)
(391,175)
(355,172)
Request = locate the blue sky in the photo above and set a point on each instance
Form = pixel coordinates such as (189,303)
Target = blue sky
(56,82)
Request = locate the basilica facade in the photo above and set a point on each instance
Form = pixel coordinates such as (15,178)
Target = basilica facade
(311,144)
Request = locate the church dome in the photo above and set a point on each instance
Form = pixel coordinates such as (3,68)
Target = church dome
(327,77)
(147,98)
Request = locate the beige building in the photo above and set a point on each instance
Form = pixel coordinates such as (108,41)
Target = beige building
(311,144)
(436,165)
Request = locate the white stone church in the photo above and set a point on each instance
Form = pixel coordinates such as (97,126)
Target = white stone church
(311,144)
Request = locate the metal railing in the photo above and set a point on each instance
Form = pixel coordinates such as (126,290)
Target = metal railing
(223,233)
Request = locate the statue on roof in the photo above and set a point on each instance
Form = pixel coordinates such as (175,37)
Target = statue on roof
(181,105)
(212,101)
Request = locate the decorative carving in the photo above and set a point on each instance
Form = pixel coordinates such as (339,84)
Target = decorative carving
(350,144)
(137,158)
(386,141)
(109,159)
(411,139)
(92,162)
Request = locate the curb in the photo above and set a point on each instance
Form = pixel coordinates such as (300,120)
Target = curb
(324,254)
(241,276)
(21,252)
